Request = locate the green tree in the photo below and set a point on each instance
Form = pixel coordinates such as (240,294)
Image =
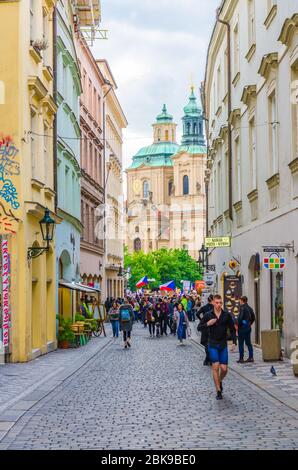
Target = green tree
(162,265)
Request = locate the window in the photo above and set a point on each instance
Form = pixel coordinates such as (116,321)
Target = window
(294,106)
(184,226)
(273,133)
(226,72)
(170,187)
(137,244)
(145,189)
(219,86)
(219,195)
(173,135)
(46,154)
(185,247)
(237,169)
(159,135)
(185,184)
(167,135)
(188,128)
(45,52)
(33,141)
(137,229)
(195,128)
(252,153)
(236,49)
(32,20)
(251,22)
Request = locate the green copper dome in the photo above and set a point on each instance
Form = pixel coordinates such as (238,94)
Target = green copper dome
(192,109)
(158,154)
(164,117)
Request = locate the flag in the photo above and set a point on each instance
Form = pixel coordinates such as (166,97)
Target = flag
(168,286)
(142,282)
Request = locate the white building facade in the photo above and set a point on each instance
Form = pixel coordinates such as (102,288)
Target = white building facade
(251,109)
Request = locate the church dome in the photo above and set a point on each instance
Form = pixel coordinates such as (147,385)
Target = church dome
(164,116)
(158,154)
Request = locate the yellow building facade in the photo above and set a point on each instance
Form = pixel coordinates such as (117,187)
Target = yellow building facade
(27,111)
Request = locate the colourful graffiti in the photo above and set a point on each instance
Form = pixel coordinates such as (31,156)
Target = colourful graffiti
(8,167)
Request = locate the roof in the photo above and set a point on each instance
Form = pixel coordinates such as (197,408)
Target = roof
(155,155)
(192,108)
(164,117)
(192,149)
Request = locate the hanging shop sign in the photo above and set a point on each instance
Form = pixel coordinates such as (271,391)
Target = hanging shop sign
(199,285)
(232,294)
(274,261)
(5,305)
(217,242)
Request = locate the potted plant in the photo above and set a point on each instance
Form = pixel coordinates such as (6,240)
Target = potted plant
(65,334)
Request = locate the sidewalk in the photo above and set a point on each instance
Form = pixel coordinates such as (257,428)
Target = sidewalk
(23,385)
(283,387)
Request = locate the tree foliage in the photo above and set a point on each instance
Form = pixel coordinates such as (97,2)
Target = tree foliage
(162,265)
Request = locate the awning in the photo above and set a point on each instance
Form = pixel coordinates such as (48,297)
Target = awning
(76,286)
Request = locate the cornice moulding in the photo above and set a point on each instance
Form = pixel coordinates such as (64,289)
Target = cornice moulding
(268,61)
(273,181)
(249,91)
(288,30)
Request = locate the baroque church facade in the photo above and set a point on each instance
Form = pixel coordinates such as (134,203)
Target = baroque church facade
(165,186)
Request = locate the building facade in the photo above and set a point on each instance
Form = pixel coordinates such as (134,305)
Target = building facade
(68,158)
(27,111)
(252,176)
(113,230)
(166,197)
(92,161)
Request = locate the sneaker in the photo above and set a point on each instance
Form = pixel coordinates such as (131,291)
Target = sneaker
(221,387)
(250,359)
(219,396)
(205,363)
(128,344)
(240,361)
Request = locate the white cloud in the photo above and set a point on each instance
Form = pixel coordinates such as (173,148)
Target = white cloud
(154,48)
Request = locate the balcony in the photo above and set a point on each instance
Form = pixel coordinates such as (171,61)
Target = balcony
(89,13)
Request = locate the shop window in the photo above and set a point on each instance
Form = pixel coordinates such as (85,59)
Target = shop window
(277,302)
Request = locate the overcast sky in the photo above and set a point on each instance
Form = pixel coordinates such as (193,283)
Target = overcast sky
(155,49)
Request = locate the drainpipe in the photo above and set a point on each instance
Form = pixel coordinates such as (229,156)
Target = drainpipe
(230,176)
(55,99)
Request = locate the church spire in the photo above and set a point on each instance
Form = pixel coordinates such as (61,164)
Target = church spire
(192,122)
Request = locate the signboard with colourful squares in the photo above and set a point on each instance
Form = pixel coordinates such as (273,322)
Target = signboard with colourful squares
(274,261)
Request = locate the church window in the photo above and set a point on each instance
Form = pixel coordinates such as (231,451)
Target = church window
(171,183)
(159,135)
(137,229)
(188,128)
(200,128)
(146,189)
(137,244)
(173,135)
(195,128)
(167,135)
(185,184)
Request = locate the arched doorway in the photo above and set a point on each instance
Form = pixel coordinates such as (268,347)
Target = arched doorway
(36,306)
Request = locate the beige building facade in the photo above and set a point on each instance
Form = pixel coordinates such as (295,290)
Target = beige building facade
(165,186)
(114,121)
(252,167)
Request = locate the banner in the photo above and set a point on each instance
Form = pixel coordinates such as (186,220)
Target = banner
(232,294)
(5,306)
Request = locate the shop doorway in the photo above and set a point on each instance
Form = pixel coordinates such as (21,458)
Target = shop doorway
(277,303)
(257,310)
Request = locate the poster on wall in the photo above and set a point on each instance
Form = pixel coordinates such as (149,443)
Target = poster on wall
(4,296)
(232,294)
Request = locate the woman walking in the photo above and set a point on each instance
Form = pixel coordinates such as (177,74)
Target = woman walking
(126,318)
(114,319)
(182,323)
(151,317)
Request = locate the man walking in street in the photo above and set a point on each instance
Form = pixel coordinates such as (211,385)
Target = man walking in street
(245,319)
(205,333)
(218,322)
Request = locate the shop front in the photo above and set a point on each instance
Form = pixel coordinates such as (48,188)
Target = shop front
(5,310)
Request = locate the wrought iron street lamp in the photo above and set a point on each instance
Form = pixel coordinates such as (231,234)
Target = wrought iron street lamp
(47,226)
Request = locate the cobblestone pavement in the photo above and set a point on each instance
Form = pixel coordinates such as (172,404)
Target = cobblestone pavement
(283,386)
(155,396)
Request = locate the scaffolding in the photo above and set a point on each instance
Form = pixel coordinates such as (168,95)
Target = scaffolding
(88,20)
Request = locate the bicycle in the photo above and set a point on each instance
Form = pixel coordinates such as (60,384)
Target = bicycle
(99,329)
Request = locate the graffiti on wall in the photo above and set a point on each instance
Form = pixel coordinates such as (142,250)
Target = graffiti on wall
(9,167)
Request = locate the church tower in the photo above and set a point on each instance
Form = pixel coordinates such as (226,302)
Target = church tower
(192,123)
(164,128)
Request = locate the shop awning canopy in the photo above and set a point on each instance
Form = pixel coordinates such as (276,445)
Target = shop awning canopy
(77,286)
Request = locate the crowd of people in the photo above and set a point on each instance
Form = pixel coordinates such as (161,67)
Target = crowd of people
(173,315)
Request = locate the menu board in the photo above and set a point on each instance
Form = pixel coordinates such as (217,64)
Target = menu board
(232,294)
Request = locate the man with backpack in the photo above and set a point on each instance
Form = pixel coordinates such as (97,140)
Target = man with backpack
(245,319)
(126,318)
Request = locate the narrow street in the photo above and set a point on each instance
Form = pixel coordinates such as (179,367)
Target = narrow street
(155,396)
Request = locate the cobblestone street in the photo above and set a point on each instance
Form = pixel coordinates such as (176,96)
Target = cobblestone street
(155,396)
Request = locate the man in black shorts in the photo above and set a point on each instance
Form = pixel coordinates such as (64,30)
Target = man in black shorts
(218,322)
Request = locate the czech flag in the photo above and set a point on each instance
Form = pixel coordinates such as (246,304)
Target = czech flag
(168,286)
(142,282)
